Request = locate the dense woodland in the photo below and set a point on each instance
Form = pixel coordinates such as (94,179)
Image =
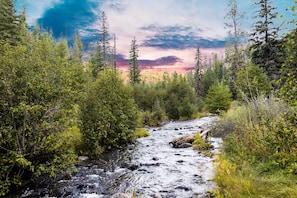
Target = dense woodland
(54,106)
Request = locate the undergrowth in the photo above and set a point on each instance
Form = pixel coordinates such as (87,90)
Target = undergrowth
(259,150)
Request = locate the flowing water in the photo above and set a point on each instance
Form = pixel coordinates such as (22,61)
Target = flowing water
(150,168)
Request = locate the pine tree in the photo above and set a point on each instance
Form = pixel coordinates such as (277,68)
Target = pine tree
(266,49)
(104,40)
(9,23)
(133,62)
(62,48)
(77,50)
(95,62)
(198,73)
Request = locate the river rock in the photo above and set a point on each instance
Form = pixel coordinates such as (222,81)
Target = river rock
(83,158)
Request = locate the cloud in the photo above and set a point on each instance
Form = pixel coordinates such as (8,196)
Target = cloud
(149,64)
(178,37)
(64,17)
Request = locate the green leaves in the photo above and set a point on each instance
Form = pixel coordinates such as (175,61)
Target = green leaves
(218,98)
(180,99)
(252,82)
(36,97)
(108,114)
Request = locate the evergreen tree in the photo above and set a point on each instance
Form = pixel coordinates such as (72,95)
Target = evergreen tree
(266,47)
(134,72)
(77,50)
(198,73)
(12,26)
(95,62)
(62,48)
(104,40)
(218,98)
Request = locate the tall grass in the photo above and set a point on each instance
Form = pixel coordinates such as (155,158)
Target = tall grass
(260,143)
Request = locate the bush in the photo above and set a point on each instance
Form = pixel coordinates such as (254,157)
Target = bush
(218,98)
(37,103)
(180,99)
(200,144)
(252,82)
(108,114)
(152,119)
(140,132)
(263,131)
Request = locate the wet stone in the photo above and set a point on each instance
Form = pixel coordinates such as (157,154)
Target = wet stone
(183,188)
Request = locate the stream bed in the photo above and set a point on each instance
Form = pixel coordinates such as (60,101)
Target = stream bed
(148,168)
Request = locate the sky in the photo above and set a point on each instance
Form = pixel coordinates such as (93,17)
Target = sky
(167,32)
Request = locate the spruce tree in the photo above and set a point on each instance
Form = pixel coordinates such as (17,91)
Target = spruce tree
(266,46)
(95,62)
(134,72)
(9,22)
(77,50)
(198,73)
(104,40)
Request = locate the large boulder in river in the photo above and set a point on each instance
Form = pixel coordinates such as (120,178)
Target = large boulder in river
(182,142)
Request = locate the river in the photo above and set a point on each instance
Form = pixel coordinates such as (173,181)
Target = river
(149,168)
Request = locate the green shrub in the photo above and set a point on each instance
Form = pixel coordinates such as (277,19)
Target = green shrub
(74,139)
(152,119)
(180,99)
(200,144)
(218,98)
(262,131)
(38,96)
(141,132)
(108,114)
(252,82)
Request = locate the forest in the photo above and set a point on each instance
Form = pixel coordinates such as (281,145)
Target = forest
(55,105)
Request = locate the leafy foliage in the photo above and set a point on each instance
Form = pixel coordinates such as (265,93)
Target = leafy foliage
(263,131)
(141,132)
(218,98)
(108,114)
(37,95)
(200,144)
(252,82)
(180,99)
(288,81)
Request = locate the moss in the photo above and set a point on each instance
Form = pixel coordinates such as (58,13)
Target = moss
(200,144)
(141,132)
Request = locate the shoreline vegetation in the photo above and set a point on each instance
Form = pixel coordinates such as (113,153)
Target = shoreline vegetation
(259,150)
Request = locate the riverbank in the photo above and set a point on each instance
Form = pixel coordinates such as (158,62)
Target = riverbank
(149,168)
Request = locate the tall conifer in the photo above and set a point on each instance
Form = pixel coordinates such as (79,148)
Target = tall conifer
(133,62)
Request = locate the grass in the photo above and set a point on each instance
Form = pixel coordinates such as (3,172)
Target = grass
(259,151)
(245,181)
